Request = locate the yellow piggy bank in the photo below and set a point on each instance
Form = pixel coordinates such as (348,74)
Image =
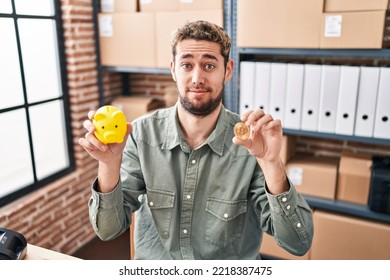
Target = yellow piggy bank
(110,124)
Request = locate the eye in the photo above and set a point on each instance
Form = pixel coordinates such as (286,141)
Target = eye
(103,127)
(116,126)
(186,66)
(209,66)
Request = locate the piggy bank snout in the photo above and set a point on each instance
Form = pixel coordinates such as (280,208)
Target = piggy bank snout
(110,136)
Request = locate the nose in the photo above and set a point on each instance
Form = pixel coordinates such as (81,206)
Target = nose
(197,76)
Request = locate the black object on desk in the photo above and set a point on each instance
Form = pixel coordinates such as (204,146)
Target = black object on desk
(379,199)
(13,245)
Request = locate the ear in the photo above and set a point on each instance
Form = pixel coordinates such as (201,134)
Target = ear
(117,115)
(229,70)
(172,67)
(99,116)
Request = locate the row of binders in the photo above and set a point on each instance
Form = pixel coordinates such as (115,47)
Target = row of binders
(341,99)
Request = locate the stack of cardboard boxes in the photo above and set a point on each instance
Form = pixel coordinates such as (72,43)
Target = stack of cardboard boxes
(324,24)
(138,33)
(336,236)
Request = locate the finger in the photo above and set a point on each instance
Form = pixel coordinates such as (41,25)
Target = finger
(261,122)
(246,114)
(87,145)
(252,118)
(91,138)
(88,125)
(275,124)
(245,143)
(91,114)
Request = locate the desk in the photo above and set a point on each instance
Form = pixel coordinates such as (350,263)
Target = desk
(39,253)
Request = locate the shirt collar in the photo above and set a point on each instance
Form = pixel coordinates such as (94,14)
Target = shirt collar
(216,141)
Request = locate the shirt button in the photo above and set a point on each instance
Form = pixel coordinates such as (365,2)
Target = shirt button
(226,215)
(188,196)
(185,231)
(193,161)
(288,207)
(284,199)
(151,203)
(299,225)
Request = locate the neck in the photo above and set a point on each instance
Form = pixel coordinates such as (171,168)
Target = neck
(197,129)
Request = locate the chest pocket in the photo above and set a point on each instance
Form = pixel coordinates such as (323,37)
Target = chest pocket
(161,204)
(225,221)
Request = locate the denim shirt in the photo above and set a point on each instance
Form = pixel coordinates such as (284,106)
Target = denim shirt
(207,203)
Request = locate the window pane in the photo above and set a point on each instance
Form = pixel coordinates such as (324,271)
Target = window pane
(11,92)
(15,160)
(49,138)
(34,7)
(5,6)
(39,51)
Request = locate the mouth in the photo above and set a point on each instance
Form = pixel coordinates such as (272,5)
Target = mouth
(198,91)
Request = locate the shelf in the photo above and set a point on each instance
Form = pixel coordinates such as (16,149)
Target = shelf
(357,210)
(377,53)
(367,140)
(142,70)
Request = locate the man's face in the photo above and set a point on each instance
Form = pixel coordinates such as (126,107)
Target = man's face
(200,74)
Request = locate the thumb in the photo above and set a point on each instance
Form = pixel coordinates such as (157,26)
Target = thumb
(247,143)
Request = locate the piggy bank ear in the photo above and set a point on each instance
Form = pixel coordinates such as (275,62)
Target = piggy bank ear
(99,116)
(117,115)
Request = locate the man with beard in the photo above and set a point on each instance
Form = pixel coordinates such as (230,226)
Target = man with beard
(199,191)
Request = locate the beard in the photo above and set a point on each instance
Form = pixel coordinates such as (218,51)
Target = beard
(201,109)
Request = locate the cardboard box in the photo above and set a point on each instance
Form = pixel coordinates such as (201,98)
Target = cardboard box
(339,237)
(279,23)
(136,106)
(118,6)
(158,5)
(354,175)
(270,247)
(288,148)
(197,5)
(352,30)
(127,39)
(314,176)
(168,22)
(355,5)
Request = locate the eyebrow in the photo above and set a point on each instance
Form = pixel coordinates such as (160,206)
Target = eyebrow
(209,56)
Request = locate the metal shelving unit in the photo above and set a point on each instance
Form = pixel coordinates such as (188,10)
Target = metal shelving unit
(334,136)
(361,211)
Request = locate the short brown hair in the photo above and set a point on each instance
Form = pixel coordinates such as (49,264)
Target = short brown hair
(203,30)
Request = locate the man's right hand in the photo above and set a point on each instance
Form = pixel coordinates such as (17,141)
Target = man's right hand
(104,153)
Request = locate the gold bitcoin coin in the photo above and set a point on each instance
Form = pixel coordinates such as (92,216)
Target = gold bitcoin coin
(241,130)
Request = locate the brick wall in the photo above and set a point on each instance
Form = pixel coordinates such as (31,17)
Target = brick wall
(56,216)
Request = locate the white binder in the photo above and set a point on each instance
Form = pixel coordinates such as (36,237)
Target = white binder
(311,97)
(247,83)
(262,85)
(347,99)
(278,90)
(328,98)
(382,112)
(294,91)
(366,105)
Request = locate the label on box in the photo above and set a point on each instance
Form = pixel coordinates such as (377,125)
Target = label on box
(105,26)
(143,2)
(107,6)
(333,25)
(295,174)
(186,1)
